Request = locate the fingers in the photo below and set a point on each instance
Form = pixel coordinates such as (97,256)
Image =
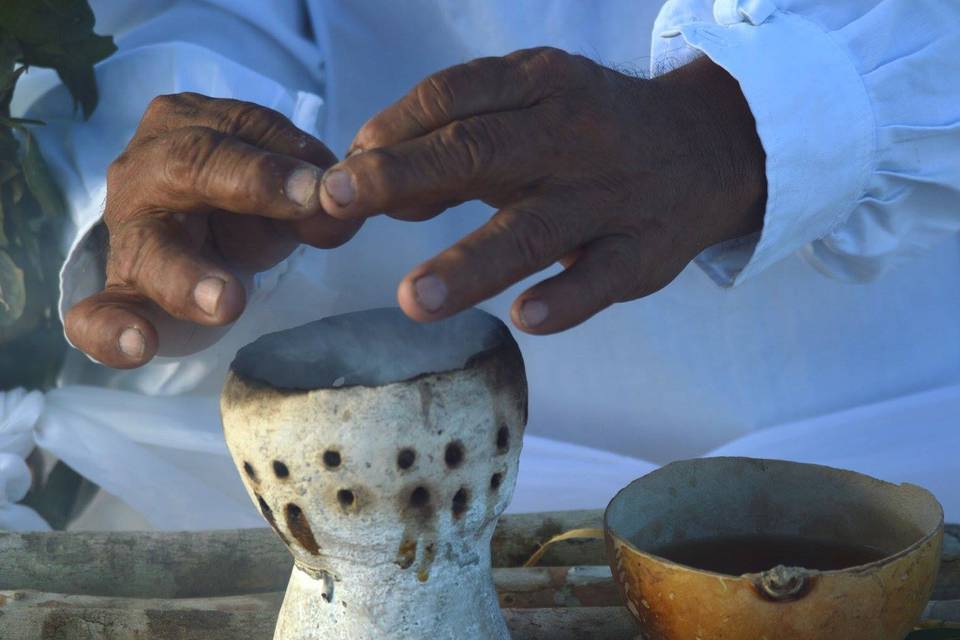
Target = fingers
(481,86)
(606,271)
(603,273)
(113,328)
(325,232)
(515,243)
(156,257)
(195,169)
(254,124)
(260,127)
(464,160)
(251,242)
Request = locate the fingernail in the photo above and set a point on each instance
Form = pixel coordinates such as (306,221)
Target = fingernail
(431,292)
(302,186)
(354,152)
(533,313)
(339,185)
(207,294)
(131,343)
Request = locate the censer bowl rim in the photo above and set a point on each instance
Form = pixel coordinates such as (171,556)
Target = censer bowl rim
(334,353)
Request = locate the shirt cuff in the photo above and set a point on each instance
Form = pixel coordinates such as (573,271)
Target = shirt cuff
(814,118)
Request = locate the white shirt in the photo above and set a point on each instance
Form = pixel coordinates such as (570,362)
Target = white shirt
(833,336)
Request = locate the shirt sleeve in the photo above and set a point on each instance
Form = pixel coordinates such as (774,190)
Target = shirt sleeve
(155,60)
(857,105)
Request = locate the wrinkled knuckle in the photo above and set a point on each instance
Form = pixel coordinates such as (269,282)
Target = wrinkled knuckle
(189,151)
(532,234)
(259,180)
(193,99)
(551,59)
(122,193)
(128,251)
(162,106)
(560,69)
(252,120)
(435,96)
(489,71)
(373,134)
(374,173)
(376,169)
(117,170)
(579,61)
(470,143)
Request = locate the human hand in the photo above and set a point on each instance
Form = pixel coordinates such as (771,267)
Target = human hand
(622,180)
(207,190)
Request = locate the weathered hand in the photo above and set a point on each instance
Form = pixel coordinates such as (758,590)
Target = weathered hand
(206,190)
(622,180)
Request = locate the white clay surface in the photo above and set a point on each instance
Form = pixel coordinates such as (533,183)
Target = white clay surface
(387,496)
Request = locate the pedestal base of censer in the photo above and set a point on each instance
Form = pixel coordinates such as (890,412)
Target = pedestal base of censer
(453,602)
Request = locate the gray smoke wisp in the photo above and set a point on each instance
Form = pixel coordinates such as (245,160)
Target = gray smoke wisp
(371,348)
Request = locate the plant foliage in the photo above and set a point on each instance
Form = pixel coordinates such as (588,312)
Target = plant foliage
(45,33)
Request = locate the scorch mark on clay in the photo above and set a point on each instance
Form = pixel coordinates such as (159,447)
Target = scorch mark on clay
(268,515)
(406,554)
(429,554)
(300,528)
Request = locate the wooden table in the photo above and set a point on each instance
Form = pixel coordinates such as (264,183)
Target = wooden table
(219,585)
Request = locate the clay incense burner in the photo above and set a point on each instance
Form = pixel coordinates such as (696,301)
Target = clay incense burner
(382,451)
(890,537)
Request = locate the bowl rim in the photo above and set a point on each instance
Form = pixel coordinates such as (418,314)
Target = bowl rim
(613,537)
(502,341)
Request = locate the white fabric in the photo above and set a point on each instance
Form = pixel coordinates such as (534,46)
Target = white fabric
(868,439)
(871,440)
(19,412)
(763,365)
(167,459)
(858,109)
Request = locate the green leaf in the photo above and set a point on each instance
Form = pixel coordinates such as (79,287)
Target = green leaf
(9,147)
(16,191)
(82,84)
(4,241)
(8,170)
(8,74)
(40,182)
(19,123)
(42,21)
(59,34)
(13,297)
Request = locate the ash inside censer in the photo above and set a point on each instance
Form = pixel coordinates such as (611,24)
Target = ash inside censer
(370,348)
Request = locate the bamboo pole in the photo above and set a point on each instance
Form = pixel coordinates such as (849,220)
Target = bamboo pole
(224,563)
(31,615)
(545,587)
(518,536)
(238,562)
(146,564)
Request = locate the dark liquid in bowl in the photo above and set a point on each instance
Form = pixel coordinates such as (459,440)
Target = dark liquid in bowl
(737,555)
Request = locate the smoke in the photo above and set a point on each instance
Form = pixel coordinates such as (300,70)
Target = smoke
(370,348)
